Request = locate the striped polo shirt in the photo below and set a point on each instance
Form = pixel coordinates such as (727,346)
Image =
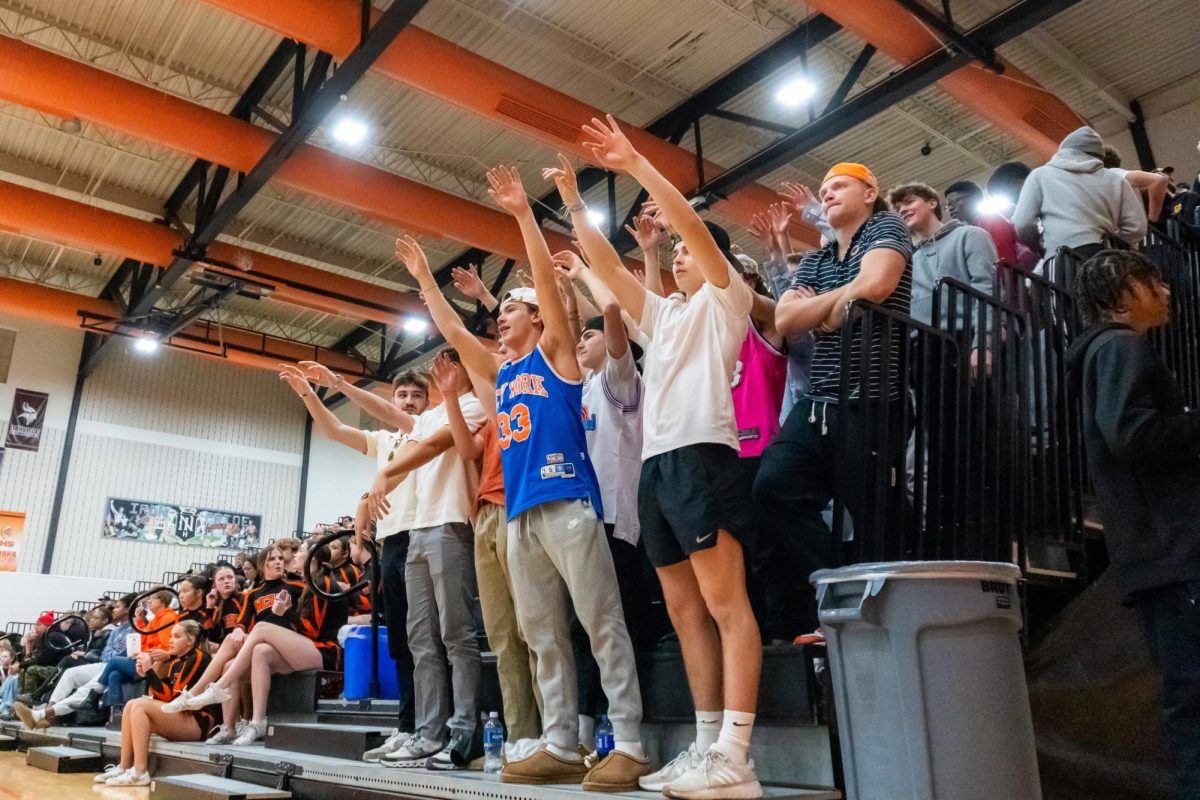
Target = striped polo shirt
(822,271)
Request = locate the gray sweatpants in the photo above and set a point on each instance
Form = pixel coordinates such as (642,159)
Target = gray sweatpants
(440,582)
(559,557)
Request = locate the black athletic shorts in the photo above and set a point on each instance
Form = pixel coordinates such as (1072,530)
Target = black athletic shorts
(685,496)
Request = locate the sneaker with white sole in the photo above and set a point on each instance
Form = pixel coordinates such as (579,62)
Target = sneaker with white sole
(458,754)
(213,694)
(390,745)
(413,752)
(684,762)
(130,778)
(111,771)
(254,731)
(222,735)
(717,777)
(179,703)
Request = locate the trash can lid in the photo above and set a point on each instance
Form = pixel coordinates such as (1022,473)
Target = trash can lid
(893,570)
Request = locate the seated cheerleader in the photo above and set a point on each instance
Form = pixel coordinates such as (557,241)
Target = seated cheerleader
(345,556)
(224,605)
(291,629)
(144,716)
(192,590)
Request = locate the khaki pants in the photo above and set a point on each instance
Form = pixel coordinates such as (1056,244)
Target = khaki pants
(515,663)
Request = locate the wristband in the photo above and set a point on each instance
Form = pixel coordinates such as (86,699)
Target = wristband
(575,209)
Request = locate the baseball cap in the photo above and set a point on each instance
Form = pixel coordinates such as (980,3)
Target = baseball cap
(851,170)
(46,618)
(721,237)
(521,294)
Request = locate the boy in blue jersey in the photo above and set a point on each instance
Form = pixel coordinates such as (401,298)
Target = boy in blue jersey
(692,505)
(557,550)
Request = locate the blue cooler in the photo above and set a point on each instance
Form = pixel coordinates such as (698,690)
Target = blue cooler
(357,665)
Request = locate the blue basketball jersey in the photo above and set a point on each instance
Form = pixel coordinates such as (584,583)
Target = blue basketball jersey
(543,451)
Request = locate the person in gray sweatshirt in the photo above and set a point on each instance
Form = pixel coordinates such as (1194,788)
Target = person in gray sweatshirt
(1077,201)
(943,249)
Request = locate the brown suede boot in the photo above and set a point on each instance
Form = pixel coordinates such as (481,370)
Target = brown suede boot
(543,767)
(618,772)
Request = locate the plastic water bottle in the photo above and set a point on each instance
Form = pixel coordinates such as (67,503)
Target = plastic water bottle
(493,743)
(604,736)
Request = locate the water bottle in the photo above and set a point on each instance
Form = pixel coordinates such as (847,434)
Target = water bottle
(493,743)
(604,736)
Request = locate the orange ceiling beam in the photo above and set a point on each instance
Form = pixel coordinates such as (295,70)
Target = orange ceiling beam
(66,309)
(1013,101)
(37,78)
(444,70)
(46,216)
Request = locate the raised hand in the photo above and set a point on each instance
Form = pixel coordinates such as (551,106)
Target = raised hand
(760,226)
(293,377)
(797,194)
(445,375)
(468,282)
(781,217)
(409,251)
(608,145)
(645,231)
(570,263)
(564,179)
(320,374)
(506,190)
(522,278)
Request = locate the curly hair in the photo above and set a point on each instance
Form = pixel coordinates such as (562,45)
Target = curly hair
(1102,280)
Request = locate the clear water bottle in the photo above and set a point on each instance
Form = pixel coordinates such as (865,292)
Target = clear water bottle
(493,743)
(604,736)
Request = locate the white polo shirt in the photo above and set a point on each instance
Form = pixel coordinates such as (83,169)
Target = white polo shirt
(445,487)
(383,446)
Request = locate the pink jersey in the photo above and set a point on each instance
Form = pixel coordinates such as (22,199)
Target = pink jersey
(759,380)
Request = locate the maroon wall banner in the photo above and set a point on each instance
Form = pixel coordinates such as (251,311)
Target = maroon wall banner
(25,422)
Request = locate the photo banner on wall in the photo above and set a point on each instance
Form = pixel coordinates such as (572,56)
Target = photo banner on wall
(163,523)
(12,531)
(25,422)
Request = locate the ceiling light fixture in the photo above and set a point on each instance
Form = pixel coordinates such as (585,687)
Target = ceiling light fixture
(796,92)
(415,325)
(994,204)
(146,344)
(349,131)
(595,217)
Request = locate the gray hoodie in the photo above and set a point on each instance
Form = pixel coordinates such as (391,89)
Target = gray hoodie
(958,250)
(1077,201)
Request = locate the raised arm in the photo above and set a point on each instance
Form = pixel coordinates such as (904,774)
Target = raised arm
(556,341)
(468,282)
(468,444)
(324,420)
(474,355)
(613,150)
(412,455)
(369,402)
(596,248)
(615,337)
(646,233)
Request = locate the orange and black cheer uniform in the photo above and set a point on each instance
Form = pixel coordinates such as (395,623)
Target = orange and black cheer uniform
(320,620)
(350,573)
(226,616)
(258,601)
(182,673)
(197,615)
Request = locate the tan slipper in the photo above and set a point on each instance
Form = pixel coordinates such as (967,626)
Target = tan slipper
(618,772)
(543,767)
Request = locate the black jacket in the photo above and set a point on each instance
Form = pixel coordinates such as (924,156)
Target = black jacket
(1143,451)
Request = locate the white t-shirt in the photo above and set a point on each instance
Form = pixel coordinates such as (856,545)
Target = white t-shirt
(612,423)
(383,446)
(692,351)
(445,487)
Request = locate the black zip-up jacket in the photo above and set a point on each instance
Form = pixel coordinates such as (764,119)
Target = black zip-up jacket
(1143,451)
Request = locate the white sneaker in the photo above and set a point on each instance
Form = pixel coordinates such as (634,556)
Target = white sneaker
(521,748)
(412,752)
(130,778)
(390,745)
(239,727)
(111,771)
(214,694)
(222,735)
(716,777)
(684,762)
(178,704)
(254,731)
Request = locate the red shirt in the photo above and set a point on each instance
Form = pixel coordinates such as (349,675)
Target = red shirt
(1009,247)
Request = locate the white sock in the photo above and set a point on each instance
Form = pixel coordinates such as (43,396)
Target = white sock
(734,740)
(633,749)
(563,753)
(39,714)
(708,727)
(587,732)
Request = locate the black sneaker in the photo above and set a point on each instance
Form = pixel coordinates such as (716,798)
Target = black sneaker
(92,701)
(458,754)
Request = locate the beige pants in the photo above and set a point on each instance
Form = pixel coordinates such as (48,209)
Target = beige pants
(515,662)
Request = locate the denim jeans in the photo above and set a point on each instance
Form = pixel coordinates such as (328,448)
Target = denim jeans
(1171,618)
(8,692)
(117,672)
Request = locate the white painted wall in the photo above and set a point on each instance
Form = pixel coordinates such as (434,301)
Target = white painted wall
(28,594)
(337,475)
(45,359)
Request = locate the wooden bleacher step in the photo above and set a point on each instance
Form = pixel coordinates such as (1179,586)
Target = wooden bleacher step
(60,759)
(323,739)
(211,787)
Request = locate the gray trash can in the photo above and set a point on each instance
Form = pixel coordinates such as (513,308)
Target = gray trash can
(928,680)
